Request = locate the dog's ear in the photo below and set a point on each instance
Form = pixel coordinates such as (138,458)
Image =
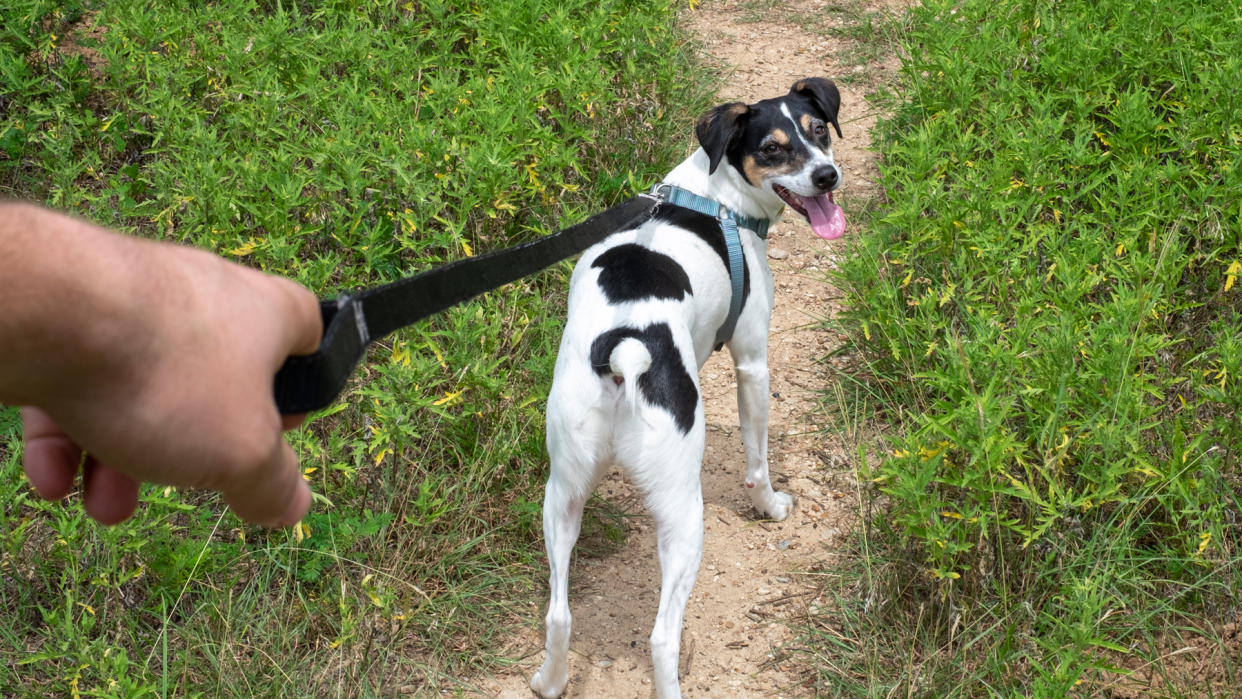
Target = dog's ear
(824,95)
(719,128)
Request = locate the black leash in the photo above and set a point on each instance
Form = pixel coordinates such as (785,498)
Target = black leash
(351,322)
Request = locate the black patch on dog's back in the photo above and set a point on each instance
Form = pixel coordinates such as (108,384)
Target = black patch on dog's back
(707,228)
(667,383)
(634,273)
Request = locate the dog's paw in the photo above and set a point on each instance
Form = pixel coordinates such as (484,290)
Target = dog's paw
(547,683)
(777,507)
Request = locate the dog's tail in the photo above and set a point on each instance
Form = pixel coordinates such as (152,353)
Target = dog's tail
(629,360)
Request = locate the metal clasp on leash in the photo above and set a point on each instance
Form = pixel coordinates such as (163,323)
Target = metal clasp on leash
(659,191)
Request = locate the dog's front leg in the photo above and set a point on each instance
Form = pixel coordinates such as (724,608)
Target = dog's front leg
(752,403)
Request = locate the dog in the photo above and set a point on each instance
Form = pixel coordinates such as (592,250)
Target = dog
(648,303)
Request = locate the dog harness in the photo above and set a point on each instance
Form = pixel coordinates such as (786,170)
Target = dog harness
(729,221)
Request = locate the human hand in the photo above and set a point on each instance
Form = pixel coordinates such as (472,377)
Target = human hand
(175,387)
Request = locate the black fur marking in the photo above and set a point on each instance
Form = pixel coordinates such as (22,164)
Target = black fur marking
(719,129)
(667,383)
(823,95)
(708,230)
(634,273)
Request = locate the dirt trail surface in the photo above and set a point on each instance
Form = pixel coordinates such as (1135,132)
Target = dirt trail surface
(750,584)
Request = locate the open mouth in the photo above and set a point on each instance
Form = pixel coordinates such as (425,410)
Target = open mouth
(825,217)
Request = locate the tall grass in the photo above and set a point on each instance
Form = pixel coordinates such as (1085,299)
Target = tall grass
(342,144)
(1046,310)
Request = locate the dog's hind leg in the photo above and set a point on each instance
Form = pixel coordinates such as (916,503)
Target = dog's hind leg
(562,520)
(680,531)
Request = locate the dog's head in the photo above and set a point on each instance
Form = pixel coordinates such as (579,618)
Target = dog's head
(782,147)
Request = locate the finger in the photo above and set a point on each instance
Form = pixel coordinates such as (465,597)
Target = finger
(51,459)
(288,422)
(304,326)
(304,323)
(276,495)
(110,496)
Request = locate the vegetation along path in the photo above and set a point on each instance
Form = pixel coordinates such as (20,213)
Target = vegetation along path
(751,581)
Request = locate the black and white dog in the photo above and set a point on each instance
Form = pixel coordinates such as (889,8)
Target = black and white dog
(646,307)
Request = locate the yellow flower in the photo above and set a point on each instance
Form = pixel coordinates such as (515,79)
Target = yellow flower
(448,397)
(1205,539)
(1231,274)
(244,249)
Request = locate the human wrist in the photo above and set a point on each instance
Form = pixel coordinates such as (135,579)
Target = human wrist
(76,305)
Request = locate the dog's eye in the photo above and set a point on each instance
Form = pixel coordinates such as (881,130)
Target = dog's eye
(820,130)
(771,149)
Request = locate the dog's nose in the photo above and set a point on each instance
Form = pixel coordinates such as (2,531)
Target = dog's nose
(825,177)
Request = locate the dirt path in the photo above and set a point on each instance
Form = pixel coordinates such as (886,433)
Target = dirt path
(748,586)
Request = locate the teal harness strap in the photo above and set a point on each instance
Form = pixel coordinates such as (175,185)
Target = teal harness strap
(737,274)
(711,207)
(729,222)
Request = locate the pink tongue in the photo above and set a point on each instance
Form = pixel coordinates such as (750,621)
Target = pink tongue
(827,219)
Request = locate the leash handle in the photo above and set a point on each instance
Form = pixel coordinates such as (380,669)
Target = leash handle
(309,382)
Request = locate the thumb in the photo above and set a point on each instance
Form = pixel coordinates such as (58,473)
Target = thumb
(304,323)
(303,329)
(275,495)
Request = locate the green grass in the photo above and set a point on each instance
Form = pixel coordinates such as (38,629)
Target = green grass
(1045,309)
(340,144)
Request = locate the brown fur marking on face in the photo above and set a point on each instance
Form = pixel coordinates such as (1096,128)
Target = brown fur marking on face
(780,136)
(805,120)
(754,172)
